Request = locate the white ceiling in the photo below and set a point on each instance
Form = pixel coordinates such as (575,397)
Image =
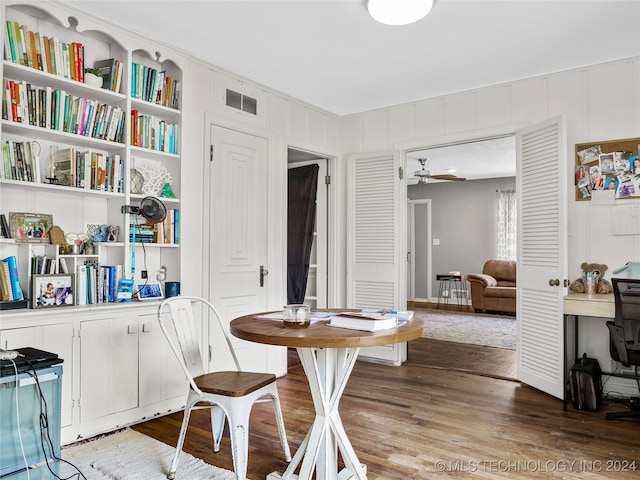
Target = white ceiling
(332,55)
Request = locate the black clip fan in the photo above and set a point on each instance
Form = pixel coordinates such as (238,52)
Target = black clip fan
(152,209)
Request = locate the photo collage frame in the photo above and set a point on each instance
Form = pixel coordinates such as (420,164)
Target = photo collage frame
(611,165)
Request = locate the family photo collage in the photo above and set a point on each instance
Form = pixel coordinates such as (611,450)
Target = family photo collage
(618,171)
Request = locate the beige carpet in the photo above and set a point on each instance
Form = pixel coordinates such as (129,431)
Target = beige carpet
(464,327)
(129,455)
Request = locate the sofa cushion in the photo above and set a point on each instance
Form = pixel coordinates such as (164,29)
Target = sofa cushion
(500,292)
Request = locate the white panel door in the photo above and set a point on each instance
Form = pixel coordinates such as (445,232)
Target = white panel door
(238,220)
(542,255)
(375,234)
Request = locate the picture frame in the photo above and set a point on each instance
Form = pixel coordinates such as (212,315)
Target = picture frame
(50,291)
(150,291)
(30,227)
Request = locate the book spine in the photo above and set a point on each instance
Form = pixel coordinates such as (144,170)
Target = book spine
(10,47)
(5,282)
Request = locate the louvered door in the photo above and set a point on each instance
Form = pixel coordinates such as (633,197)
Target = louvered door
(375,232)
(542,263)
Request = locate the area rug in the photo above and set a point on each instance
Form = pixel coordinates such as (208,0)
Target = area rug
(464,327)
(130,455)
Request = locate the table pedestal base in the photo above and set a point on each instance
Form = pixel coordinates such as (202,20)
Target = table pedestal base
(328,370)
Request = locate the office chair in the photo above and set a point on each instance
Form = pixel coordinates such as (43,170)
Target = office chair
(624,330)
(228,394)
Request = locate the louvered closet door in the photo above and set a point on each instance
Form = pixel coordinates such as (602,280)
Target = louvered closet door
(376,222)
(542,239)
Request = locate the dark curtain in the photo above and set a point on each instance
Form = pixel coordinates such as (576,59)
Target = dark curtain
(303,185)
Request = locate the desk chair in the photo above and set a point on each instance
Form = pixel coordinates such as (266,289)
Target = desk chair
(229,395)
(624,330)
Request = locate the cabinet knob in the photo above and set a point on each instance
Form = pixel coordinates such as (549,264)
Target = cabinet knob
(131,329)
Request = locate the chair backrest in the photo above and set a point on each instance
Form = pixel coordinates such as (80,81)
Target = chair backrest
(626,293)
(179,313)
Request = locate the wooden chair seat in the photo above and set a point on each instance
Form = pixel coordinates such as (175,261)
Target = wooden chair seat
(233,384)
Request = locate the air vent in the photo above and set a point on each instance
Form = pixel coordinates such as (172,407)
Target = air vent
(242,102)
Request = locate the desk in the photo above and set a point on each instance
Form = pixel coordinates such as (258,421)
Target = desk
(583,305)
(328,355)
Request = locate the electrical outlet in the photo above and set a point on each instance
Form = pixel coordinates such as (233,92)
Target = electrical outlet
(143,274)
(162,274)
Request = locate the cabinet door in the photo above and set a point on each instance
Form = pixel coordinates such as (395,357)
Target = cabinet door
(161,377)
(57,338)
(108,366)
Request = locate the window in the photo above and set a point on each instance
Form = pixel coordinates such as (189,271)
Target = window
(507,225)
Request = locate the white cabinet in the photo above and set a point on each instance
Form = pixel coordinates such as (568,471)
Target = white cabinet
(125,363)
(160,375)
(108,366)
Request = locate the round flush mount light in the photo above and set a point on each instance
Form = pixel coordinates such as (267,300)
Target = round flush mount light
(399,12)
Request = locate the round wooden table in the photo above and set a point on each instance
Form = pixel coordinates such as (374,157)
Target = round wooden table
(328,355)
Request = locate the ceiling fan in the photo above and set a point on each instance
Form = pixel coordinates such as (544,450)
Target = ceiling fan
(423,174)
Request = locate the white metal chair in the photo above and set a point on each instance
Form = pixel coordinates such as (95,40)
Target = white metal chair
(229,394)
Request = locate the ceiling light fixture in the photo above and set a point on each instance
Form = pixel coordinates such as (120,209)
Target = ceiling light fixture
(398,12)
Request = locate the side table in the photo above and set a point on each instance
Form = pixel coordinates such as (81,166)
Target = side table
(447,283)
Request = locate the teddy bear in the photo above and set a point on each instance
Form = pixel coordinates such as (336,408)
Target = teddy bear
(594,270)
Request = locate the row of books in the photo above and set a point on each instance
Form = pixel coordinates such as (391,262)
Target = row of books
(43,265)
(57,110)
(48,54)
(154,86)
(89,170)
(97,283)
(10,289)
(20,161)
(148,131)
(111,70)
(165,232)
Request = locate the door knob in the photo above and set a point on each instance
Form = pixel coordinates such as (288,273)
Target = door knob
(554,282)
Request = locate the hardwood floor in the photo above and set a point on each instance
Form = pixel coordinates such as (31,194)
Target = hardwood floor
(403,421)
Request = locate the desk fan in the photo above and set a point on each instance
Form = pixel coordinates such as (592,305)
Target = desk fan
(153,211)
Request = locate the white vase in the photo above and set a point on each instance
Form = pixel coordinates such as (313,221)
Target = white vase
(93,80)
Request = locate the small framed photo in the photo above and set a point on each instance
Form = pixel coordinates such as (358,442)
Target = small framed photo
(150,291)
(52,291)
(30,227)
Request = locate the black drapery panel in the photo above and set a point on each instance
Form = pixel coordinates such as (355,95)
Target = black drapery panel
(303,186)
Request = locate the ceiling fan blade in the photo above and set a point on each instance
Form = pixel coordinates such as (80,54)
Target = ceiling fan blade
(449,177)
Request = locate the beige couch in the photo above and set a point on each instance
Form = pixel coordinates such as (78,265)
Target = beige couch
(494,290)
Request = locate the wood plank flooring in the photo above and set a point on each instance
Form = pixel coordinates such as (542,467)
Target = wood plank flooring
(420,422)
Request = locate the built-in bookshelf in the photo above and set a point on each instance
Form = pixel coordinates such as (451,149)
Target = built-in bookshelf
(76,150)
(82,157)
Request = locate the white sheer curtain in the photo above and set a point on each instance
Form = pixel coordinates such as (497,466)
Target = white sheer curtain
(507,223)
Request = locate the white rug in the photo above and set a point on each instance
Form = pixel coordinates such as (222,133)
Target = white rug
(476,329)
(129,455)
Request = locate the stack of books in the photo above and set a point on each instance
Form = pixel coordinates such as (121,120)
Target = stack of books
(144,233)
(370,320)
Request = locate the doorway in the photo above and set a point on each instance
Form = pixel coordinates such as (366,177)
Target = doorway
(317,280)
(462,213)
(452,226)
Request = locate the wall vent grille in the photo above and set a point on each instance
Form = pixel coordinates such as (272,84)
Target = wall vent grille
(242,102)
